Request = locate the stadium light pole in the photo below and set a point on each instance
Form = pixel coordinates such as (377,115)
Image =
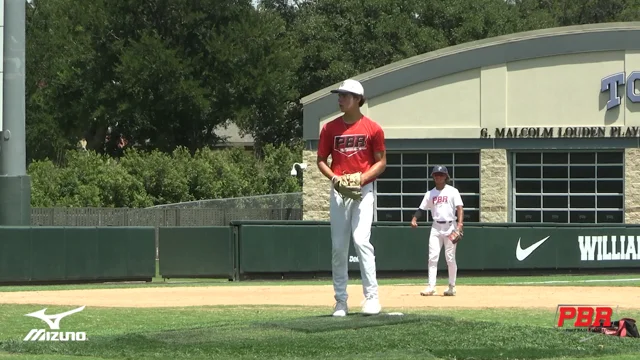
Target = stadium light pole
(15,184)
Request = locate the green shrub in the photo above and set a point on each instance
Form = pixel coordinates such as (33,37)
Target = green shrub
(142,179)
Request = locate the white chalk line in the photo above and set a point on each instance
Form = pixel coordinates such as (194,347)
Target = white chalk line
(532,282)
(571,281)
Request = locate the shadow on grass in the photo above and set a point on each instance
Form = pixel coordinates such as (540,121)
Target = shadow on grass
(353,321)
(384,336)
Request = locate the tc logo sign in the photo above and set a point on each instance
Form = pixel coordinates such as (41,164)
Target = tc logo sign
(611,84)
(584,315)
(53,321)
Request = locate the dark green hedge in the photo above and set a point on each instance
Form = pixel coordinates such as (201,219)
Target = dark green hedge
(141,179)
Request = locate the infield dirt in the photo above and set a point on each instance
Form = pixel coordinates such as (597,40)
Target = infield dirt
(391,296)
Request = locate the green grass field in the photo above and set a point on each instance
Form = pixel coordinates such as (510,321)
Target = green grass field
(270,332)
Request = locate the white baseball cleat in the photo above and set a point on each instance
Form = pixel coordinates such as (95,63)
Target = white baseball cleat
(340,309)
(428,291)
(371,306)
(451,291)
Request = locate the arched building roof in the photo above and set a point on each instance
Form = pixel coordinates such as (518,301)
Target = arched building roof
(476,54)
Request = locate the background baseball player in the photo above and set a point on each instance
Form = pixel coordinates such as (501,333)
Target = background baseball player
(356,145)
(446,206)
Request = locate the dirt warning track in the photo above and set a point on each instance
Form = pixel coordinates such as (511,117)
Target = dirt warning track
(391,296)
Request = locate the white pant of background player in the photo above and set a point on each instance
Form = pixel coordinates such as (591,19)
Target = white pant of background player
(349,217)
(439,236)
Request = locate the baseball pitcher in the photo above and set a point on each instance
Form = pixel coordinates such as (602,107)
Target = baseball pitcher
(357,149)
(446,206)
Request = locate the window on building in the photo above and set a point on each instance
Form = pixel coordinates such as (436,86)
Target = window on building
(407,178)
(568,187)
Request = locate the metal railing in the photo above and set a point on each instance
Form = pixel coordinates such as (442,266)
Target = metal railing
(215,212)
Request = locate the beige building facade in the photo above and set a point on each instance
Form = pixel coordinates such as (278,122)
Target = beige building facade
(538,127)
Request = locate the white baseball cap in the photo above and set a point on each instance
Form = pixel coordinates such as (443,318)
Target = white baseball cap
(350,86)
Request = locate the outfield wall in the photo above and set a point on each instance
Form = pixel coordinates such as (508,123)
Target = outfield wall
(282,248)
(76,254)
(287,249)
(248,249)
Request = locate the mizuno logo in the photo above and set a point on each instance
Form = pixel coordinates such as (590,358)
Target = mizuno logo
(53,320)
(522,254)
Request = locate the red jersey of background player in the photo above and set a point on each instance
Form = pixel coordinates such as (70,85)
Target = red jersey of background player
(351,146)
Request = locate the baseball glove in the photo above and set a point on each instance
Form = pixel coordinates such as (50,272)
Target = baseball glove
(349,186)
(455,236)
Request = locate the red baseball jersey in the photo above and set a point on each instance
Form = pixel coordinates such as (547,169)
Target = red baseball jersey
(351,146)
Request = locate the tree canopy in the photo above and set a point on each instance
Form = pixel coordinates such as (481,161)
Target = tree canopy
(157,77)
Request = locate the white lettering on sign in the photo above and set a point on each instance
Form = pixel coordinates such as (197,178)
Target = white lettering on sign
(604,248)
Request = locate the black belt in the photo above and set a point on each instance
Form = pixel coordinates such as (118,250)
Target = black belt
(444,222)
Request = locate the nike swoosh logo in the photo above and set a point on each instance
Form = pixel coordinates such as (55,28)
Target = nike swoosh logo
(522,254)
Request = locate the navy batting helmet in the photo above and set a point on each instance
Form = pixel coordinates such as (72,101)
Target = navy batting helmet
(440,169)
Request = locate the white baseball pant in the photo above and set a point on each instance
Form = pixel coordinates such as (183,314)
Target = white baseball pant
(440,236)
(349,217)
